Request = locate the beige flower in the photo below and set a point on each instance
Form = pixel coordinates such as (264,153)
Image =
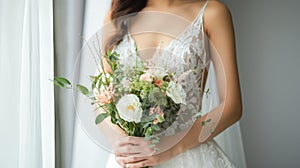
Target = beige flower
(106,95)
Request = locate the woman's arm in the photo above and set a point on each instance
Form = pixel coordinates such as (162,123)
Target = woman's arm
(219,28)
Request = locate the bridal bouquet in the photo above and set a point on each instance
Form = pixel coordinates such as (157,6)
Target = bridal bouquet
(141,101)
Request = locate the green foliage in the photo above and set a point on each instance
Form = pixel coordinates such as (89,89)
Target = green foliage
(82,89)
(62,82)
(101,117)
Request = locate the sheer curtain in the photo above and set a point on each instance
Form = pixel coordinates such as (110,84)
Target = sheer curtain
(68,19)
(26,67)
(85,152)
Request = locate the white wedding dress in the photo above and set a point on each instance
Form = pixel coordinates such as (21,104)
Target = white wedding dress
(205,155)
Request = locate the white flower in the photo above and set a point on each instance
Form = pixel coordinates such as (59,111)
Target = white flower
(176,92)
(159,73)
(146,77)
(129,108)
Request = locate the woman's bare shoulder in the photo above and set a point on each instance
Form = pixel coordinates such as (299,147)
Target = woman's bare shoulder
(215,7)
(216,14)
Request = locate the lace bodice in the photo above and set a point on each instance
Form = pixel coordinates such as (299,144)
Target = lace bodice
(185,56)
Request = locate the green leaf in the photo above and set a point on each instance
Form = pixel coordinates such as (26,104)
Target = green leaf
(82,89)
(62,80)
(147,125)
(199,114)
(101,117)
(57,83)
(155,127)
(155,141)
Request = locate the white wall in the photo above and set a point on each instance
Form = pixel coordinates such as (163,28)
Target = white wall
(268,45)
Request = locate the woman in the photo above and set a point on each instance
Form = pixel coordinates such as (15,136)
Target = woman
(215,22)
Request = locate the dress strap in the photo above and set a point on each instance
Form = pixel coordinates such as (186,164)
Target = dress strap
(203,9)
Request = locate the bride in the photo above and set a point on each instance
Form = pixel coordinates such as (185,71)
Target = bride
(212,19)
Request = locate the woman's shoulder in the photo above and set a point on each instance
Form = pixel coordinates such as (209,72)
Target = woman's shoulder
(215,7)
(216,15)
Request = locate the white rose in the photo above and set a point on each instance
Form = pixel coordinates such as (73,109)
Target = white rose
(176,92)
(129,108)
(158,72)
(146,77)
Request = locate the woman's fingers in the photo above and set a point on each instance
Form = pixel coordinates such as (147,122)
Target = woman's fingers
(128,150)
(120,162)
(133,146)
(130,140)
(140,164)
(129,159)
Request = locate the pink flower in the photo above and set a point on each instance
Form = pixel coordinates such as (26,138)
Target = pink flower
(158,82)
(106,96)
(159,115)
(146,77)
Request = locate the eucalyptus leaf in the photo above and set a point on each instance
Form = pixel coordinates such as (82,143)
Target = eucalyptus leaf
(199,114)
(57,83)
(101,117)
(155,127)
(147,125)
(155,141)
(62,80)
(82,89)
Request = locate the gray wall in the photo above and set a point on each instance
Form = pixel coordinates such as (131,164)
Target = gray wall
(268,45)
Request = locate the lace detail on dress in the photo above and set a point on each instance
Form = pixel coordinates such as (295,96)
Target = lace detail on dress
(184,56)
(206,155)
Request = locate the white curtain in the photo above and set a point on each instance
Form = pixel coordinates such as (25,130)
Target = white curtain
(26,67)
(85,152)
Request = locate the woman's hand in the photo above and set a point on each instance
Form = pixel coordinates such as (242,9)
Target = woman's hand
(134,152)
(130,145)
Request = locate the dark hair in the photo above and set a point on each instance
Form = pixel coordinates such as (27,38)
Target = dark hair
(121,8)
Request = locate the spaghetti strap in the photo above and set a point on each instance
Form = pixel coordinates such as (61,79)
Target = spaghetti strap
(203,9)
